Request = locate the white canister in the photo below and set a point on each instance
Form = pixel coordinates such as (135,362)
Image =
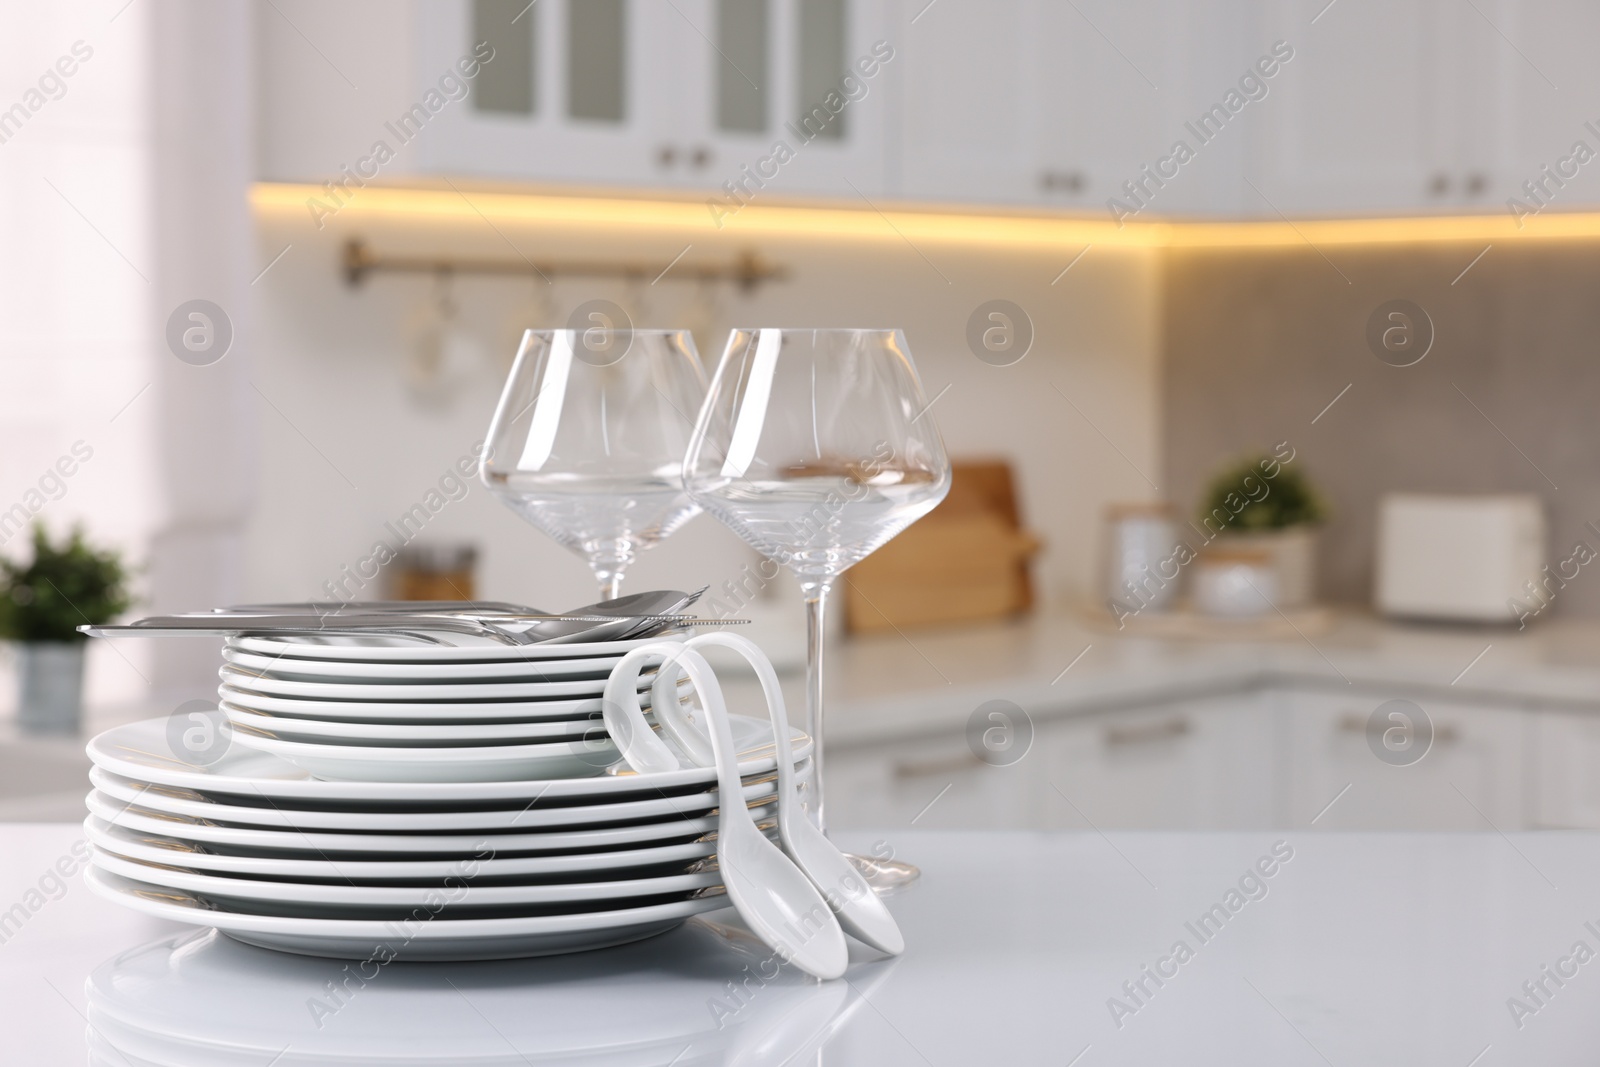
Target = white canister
(1141,556)
(1235,583)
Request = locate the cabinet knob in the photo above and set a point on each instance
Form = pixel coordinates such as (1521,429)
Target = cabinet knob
(701,157)
(1477,182)
(666,156)
(1439,184)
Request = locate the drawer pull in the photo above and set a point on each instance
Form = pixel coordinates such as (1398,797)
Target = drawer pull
(1143,735)
(943,766)
(1352,722)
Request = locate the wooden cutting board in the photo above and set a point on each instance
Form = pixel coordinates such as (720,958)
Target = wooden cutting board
(965,561)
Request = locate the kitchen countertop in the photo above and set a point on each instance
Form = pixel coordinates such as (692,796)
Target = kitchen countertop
(1023,948)
(929,681)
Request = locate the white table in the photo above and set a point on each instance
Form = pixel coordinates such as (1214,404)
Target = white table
(1371,948)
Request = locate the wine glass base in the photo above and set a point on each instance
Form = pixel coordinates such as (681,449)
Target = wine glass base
(884,876)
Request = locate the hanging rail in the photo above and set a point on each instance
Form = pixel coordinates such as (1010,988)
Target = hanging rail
(747,270)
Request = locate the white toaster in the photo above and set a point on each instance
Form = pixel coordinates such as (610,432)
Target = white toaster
(1462,557)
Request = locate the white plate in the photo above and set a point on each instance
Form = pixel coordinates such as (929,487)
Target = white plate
(375,649)
(305,670)
(399,846)
(460,893)
(155,848)
(439,939)
(144,751)
(423,735)
(414,691)
(488,763)
(437,712)
(526,817)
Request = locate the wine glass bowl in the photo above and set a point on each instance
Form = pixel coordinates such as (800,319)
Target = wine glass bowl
(588,438)
(816,447)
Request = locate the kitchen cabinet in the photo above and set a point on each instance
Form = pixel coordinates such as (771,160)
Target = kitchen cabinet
(930,783)
(1044,103)
(690,95)
(1566,786)
(1471,778)
(1426,105)
(576,91)
(1190,764)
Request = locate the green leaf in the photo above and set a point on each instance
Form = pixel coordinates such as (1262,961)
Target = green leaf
(64,586)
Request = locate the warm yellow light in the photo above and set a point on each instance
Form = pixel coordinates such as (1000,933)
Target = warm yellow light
(935,225)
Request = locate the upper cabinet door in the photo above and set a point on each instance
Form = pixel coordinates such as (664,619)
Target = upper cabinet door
(784,97)
(1533,103)
(965,70)
(1365,116)
(1121,108)
(574,91)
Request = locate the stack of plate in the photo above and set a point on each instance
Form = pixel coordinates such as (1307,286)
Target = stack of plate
(466,823)
(366,710)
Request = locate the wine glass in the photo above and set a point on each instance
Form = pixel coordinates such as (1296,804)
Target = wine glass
(816,447)
(588,439)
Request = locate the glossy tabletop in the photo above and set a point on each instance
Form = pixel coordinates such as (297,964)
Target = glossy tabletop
(1065,948)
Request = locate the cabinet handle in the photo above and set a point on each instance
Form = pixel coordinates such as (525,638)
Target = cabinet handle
(941,766)
(666,156)
(1353,722)
(701,158)
(1439,184)
(1143,735)
(1477,182)
(1072,181)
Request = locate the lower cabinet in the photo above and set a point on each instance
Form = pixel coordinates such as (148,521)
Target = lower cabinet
(1300,756)
(1188,765)
(1194,764)
(1566,787)
(1366,759)
(929,783)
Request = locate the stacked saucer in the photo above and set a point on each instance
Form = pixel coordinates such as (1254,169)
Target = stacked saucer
(439,803)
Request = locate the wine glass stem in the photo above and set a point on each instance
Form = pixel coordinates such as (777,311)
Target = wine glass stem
(816,597)
(610,578)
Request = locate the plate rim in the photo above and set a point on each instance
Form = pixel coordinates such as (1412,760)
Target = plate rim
(433,930)
(444,653)
(269,839)
(258,886)
(757,760)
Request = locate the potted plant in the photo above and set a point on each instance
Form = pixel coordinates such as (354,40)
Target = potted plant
(1264,503)
(42,604)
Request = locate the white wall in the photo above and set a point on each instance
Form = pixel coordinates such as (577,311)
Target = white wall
(345,446)
(125,186)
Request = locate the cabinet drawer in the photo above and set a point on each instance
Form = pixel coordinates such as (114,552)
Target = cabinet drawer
(934,783)
(1200,764)
(1469,778)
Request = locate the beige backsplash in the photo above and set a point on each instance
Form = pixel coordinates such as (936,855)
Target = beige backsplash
(1258,343)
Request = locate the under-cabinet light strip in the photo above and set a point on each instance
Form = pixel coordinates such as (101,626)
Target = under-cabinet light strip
(952,225)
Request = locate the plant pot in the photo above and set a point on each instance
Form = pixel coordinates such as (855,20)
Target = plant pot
(1293,550)
(52,686)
